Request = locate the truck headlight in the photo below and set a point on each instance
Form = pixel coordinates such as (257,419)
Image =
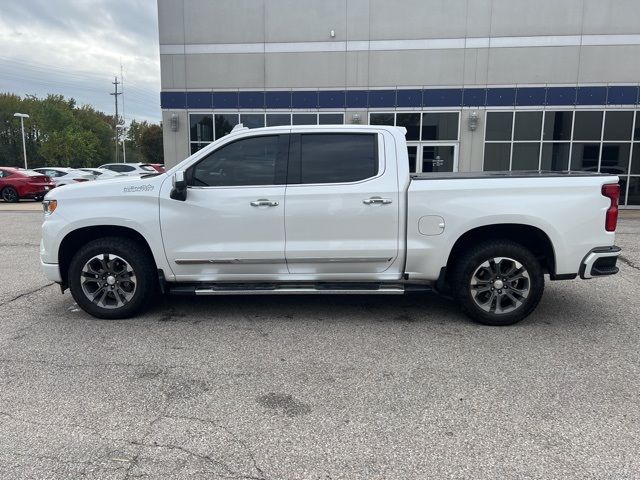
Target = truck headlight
(49,206)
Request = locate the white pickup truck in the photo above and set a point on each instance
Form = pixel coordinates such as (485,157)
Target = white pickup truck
(331,210)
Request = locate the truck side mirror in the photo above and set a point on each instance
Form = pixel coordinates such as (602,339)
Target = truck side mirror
(179,190)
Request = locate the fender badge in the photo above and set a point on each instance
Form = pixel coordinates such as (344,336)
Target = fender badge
(138,188)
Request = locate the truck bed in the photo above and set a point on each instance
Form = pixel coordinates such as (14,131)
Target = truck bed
(568,207)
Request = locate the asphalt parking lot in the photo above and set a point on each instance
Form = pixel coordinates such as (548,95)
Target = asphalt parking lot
(342,387)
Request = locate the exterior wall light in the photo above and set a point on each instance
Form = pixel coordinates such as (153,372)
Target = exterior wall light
(174,122)
(355,118)
(332,33)
(473,121)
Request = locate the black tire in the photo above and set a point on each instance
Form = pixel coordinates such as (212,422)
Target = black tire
(478,265)
(129,252)
(10,195)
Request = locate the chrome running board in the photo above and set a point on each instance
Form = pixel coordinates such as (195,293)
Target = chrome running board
(300,291)
(293,288)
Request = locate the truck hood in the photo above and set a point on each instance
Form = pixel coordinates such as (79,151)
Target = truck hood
(109,187)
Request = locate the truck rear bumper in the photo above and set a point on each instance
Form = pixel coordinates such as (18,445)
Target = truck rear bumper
(600,262)
(51,271)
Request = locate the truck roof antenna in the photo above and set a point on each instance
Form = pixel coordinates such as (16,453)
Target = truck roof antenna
(239,127)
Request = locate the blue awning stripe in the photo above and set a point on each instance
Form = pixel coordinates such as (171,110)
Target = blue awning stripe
(405,98)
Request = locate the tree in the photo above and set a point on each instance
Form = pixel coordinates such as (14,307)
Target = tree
(151,144)
(61,133)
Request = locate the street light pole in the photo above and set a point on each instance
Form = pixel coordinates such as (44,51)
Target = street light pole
(22,116)
(124,142)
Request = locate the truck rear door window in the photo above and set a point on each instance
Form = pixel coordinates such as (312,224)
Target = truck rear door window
(337,157)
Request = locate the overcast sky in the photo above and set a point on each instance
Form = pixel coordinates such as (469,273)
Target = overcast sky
(74,48)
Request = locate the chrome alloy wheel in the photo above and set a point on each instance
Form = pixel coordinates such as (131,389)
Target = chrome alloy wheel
(108,281)
(500,285)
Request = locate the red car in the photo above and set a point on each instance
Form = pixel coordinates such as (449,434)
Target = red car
(158,167)
(18,183)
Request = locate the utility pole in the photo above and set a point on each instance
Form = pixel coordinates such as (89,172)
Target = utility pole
(115,94)
(124,118)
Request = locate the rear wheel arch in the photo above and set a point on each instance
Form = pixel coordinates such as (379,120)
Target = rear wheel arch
(532,238)
(74,240)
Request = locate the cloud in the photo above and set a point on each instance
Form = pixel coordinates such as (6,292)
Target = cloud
(74,47)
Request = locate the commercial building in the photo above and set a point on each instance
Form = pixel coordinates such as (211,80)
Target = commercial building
(479,84)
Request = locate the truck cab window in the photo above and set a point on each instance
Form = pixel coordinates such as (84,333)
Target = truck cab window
(338,157)
(250,161)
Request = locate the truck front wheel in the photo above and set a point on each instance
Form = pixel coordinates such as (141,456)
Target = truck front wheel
(112,277)
(498,282)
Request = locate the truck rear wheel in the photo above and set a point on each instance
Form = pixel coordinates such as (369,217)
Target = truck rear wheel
(112,277)
(498,282)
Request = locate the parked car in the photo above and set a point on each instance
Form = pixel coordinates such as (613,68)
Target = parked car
(17,183)
(130,168)
(64,175)
(102,173)
(356,221)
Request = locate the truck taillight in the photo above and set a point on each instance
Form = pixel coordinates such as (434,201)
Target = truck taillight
(612,192)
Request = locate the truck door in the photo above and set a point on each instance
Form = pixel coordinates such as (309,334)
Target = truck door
(231,225)
(342,206)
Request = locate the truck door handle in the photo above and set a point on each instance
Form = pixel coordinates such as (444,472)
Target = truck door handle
(377,201)
(263,202)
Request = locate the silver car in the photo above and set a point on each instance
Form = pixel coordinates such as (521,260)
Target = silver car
(102,173)
(130,168)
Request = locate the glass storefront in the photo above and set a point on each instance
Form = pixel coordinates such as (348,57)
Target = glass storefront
(605,141)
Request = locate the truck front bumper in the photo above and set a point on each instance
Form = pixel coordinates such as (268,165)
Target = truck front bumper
(600,262)
(51,271)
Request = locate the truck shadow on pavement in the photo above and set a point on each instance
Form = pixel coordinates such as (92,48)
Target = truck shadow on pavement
(410,308)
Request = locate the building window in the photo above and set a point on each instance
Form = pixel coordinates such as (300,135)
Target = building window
(304,119)
(224,123)
(252,120)
(424,127)
(201,128)
(581,140)
(439,127)
(555,156)
(278,119)
(497,156)
(410,121)
(432,138)
(330,118)
(382,119)
(207,127)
